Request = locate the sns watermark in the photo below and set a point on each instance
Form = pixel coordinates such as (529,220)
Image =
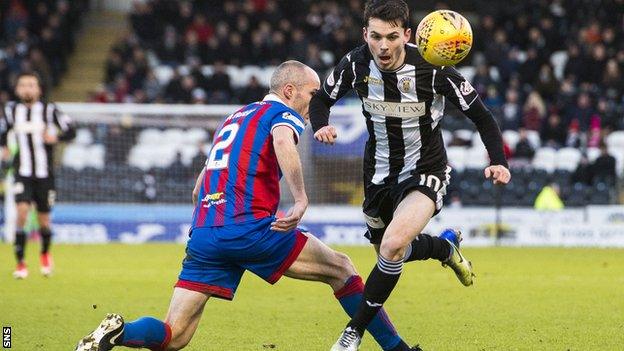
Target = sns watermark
(6,337)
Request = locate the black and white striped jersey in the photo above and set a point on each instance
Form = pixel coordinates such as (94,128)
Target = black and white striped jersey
(403,109)
(34,157)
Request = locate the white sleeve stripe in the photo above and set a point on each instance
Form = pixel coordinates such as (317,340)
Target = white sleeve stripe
(473,100)
(334,92)
(289,126)
(433,81)
(460,97)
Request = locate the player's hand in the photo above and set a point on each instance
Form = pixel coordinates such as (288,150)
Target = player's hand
(326,135)
(292,219)
(499,174)
(49,138)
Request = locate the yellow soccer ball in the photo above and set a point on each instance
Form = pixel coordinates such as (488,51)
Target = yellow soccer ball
(444,38)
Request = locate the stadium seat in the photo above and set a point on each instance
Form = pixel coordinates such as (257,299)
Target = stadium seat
(456,157)
(568,158)
(83,137)
(447,136)
(150,136)
(558,60)
(476,158)
(75,156)
(468,72)
(173,136)
(618,153)
(96,156)
(237,76)
(592,154)
(195,136)
(511,138)
(534,138)
(615,139)
(545,159)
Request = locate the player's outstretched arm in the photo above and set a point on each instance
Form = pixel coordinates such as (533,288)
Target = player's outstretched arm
(290,164)
(450,83)
(336,85)
(198,186)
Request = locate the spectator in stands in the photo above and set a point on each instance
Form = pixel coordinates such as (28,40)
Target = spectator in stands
(253,91)
(534,111)
(603,167)
(583,172)
(511,111)
(582,111)
(524,151)
(553,132)
(548,199)
(170,51)
(220,86)
(546,83)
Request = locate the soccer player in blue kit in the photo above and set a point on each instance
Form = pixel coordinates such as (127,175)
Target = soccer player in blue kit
(235,228)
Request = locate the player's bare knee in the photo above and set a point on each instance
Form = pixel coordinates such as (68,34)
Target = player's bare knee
(392,248)
(345,266)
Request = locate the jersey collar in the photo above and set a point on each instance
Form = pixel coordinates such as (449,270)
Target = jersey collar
(274,97)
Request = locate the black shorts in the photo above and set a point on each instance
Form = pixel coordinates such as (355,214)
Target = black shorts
(380,201)
(38,190)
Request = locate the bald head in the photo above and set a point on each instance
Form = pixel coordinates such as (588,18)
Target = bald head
(295,83)
(291,72)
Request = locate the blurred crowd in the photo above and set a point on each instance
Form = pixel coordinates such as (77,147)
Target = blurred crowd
(550,66)
(36,36)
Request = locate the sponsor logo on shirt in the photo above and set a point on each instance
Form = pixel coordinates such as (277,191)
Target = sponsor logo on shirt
(330,79)
(465,88)
(213,199)
(240,114)
(295,120)
(394,109)
(373,80)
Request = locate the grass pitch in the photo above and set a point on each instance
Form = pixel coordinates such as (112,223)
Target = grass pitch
(523,299)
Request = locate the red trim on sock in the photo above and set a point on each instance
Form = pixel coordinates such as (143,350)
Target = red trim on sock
(216,291)
(300,242)
(354,285)
(165,342)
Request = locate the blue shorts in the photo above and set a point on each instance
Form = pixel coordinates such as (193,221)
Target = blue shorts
(217,257)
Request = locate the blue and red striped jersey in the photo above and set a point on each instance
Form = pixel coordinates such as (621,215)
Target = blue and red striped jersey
(241,178)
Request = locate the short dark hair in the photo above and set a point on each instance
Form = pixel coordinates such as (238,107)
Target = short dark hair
(393,11)
(29,74)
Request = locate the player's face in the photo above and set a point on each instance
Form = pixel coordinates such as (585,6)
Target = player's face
(28,89)
(386,42)
(304,95)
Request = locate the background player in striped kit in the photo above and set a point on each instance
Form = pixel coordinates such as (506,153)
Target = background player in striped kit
(235,229)
(405,165)
(38,126)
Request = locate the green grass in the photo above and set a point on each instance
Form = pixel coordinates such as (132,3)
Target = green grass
(524,299)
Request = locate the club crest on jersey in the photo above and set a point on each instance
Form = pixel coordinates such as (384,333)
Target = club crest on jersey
(406,84)
(466,88)
(213,199)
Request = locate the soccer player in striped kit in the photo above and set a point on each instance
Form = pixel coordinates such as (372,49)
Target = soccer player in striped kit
(405,165)
(38,126)
(235,228)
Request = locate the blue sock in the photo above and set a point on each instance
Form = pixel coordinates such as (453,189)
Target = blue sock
(350,297)
(146,332)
